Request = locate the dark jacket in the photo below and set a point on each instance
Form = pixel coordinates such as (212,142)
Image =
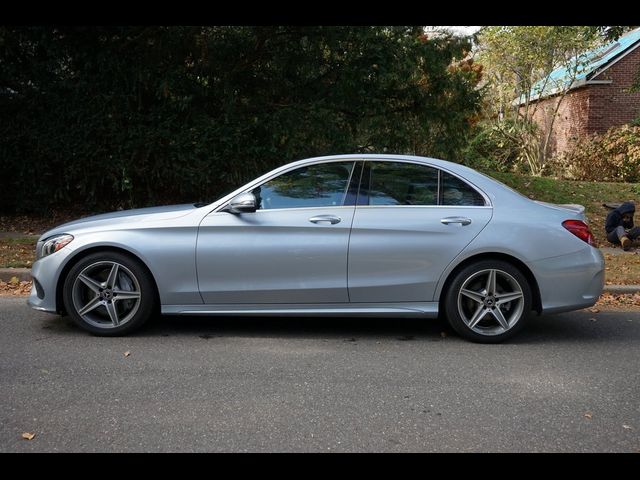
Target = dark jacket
(614,219)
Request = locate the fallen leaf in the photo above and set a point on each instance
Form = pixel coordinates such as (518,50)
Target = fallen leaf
(126,354)
(594,310)
(588,415)
(593,319)
(627,427)
(14,280)
(28,436)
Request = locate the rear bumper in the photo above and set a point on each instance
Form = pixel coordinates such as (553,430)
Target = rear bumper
(570,282)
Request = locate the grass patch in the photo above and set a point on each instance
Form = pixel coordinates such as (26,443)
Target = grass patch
(20,241)
(17,252)
(623,269)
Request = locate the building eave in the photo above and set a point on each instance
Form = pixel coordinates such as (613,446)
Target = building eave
(614,60)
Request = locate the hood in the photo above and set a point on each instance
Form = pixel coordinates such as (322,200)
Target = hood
(626,207)
(121,217)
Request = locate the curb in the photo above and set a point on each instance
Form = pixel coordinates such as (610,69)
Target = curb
(24,275)
(624,289)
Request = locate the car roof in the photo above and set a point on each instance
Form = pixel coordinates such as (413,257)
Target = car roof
(481,181)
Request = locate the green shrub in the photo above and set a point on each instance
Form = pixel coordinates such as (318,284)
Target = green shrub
(613,156)
(502,146)
(116,117)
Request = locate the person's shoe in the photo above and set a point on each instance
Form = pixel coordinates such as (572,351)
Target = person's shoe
(626,243)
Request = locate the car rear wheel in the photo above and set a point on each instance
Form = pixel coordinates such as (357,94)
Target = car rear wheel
(108,294)
(488,301)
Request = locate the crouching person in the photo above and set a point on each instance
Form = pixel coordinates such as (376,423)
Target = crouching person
(619,226)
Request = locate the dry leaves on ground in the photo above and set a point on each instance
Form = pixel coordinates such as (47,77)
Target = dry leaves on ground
(627,301)
(28,436)
(15,287)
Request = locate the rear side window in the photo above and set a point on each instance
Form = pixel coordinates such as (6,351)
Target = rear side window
(454,191)
(397,183)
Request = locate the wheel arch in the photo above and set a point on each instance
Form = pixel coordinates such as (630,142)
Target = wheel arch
(84,253)
(520,265)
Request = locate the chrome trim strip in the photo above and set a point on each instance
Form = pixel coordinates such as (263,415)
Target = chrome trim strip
(417,309)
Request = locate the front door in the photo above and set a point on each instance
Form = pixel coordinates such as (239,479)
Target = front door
(292,250)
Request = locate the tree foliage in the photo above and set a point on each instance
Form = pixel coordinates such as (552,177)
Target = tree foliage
(611,32)
(518,62)
(110,117)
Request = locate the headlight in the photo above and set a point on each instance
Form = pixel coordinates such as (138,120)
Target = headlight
(53,244)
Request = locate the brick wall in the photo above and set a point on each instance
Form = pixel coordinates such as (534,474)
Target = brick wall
(593,108)
(613,104)
(572,119)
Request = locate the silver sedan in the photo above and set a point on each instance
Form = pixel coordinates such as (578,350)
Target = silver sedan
(366,235)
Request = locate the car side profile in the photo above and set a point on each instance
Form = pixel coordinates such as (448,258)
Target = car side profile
(366,235)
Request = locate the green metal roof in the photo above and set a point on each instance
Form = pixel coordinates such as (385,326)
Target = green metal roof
(588,65)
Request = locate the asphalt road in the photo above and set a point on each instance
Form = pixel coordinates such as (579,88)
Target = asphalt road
(569,383)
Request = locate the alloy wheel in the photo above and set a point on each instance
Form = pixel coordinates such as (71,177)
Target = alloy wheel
(490,302)
(106,294)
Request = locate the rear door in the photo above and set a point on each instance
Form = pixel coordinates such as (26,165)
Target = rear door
(411,220)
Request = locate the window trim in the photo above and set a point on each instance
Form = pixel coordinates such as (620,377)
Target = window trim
(353,184)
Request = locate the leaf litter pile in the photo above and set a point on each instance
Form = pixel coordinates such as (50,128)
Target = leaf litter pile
(15,287)
(619,300)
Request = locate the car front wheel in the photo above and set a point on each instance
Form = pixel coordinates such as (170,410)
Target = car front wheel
(108,294)
(488,301)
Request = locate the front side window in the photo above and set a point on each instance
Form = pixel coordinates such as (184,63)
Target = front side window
(320,185)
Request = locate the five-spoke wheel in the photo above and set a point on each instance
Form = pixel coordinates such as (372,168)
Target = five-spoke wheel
(488,301)
(108,294)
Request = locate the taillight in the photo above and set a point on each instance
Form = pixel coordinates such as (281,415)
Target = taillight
(580,230)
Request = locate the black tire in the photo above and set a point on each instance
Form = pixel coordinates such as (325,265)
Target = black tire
(485,316)
(93,285)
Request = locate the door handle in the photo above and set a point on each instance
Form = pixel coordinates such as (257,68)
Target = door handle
(460,220)
(332,219)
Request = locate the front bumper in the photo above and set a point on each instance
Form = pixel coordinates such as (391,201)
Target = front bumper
(45,273)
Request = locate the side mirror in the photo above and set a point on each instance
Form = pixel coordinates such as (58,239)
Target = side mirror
(243,203)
